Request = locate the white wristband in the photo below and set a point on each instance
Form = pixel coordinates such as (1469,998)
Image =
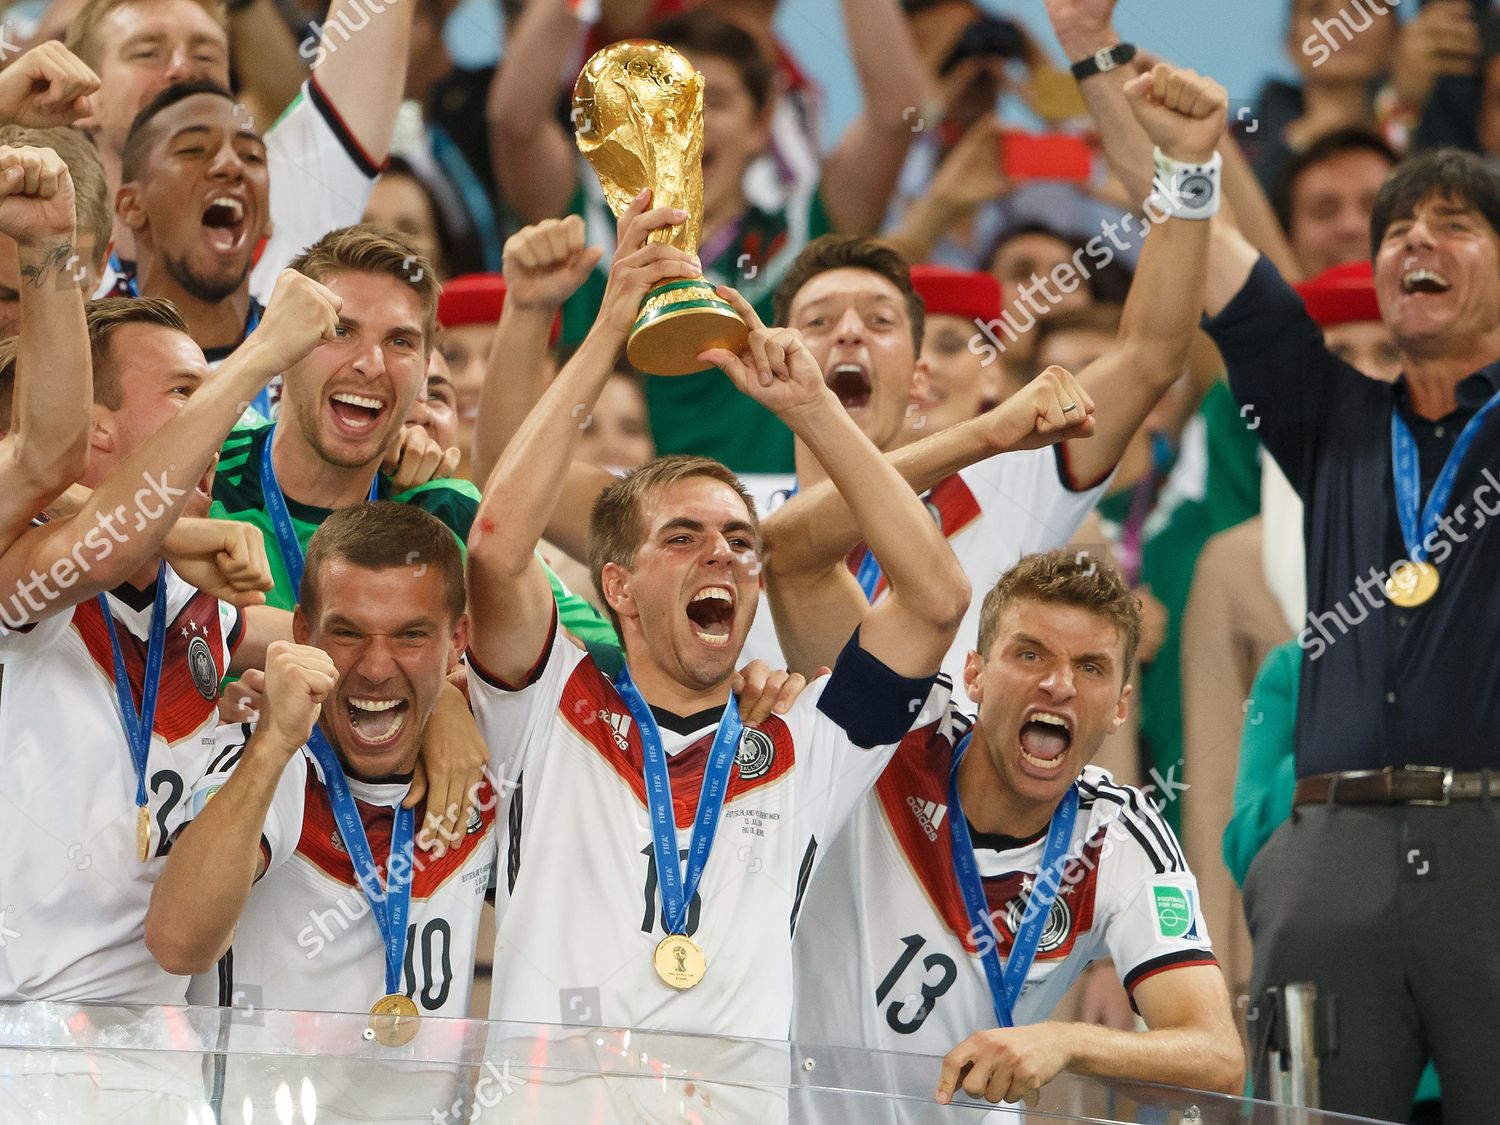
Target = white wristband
(1184,190)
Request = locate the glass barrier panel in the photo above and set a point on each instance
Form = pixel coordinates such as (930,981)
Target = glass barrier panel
(72,1064)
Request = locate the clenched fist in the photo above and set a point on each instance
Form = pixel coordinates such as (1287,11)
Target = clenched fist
(546,262)
(1049,409)
(36,194)
(48,85)
(299,678)
(1181,110)
(301,314)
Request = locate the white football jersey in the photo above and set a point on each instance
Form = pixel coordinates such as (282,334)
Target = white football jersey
(320,178)
(579,907)
(73,892)
(993,513)
(886,955)
(307,939)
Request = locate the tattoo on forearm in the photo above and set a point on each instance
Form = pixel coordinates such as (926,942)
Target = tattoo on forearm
(59,257)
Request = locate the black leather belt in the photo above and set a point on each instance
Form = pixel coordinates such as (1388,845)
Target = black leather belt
(1394,785)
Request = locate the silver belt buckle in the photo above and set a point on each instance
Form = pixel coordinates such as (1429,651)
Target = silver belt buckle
(1445,799)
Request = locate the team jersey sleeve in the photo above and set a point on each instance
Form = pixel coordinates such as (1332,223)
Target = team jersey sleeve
(24,638)
(850,724)
(1153,918)
(283,825)
(320,180)
(516,719)
(1032,487)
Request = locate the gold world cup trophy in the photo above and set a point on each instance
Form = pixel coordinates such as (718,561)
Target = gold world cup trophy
(638,112)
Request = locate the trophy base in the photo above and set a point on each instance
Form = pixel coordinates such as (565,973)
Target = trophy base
(678,321)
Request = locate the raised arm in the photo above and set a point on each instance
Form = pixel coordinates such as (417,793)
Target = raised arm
(815,599)
(122,524)
(1183,114)
(364,74)
(911,630)
(197,902)
(265,56)
(46,448)
(536,163)
(860,173)
(1084,27)
(544,264)
(510,599)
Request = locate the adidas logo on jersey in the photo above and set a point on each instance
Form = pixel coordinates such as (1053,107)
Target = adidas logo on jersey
(619,727)
(929,815)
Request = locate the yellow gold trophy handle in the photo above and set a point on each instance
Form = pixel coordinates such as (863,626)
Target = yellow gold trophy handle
(638,111)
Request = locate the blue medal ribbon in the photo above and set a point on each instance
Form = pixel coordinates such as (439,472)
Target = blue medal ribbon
(281,519)
(389,904)
(138,725)
(1407,472)
(1006,984)
(679,887)
(868,575)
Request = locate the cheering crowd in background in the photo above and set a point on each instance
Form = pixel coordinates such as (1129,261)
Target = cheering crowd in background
(1030,445)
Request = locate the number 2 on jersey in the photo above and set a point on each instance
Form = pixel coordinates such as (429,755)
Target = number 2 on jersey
(929,991)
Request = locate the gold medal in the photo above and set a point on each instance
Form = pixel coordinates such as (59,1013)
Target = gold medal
(1411,583)
(679,961)
(394,1020)
(142,832)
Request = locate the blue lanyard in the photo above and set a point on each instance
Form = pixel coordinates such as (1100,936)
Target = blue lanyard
(1005,987)
(138,726)
(390,905)
(868,575)
(281,519)
(1408,479)
(131,286)
(679,887)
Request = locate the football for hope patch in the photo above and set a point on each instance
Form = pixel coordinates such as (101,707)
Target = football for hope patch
(1176,915)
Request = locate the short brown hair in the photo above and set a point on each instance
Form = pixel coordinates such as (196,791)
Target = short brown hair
(82,37)
(366,248)
(105,316)
(842,251)
(615,524)
(380,536)
(1066,577)
(90,188)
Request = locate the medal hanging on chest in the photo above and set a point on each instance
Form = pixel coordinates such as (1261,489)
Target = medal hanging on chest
(139,724)
(679,961)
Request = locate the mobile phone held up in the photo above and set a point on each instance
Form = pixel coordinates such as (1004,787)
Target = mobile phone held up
(1045,156)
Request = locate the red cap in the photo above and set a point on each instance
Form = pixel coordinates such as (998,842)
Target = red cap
(950,292)
(474,298)
(1341,295)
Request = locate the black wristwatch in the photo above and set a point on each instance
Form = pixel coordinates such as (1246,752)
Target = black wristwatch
(1105,60)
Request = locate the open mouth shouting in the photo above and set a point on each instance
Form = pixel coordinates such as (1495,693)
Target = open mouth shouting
(376,723)
(851,383)
(1045,739)
(224,224)
(711,613)
(356,415)
(1424,281)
